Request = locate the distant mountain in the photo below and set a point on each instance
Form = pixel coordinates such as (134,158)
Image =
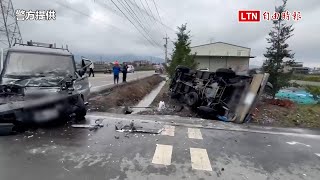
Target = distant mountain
(120,58)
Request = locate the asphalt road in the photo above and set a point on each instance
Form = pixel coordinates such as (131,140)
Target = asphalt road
(186,149)
(103,81)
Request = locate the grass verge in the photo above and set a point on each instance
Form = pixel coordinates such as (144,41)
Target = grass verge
(124,95)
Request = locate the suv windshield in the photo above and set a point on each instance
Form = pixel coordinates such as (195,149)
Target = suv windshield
(24,64)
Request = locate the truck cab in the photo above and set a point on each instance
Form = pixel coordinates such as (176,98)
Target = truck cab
(35,74)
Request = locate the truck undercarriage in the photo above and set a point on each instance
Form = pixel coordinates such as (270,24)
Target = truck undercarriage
(217,95)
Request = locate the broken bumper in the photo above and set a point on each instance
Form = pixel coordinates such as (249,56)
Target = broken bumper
(39,110)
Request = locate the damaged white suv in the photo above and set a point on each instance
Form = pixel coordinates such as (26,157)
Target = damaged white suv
(39,83)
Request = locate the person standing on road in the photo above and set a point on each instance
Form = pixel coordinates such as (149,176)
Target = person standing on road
(124,71)
(91,67)
(116,71)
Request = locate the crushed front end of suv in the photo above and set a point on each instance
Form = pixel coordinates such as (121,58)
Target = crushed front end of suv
(40,84)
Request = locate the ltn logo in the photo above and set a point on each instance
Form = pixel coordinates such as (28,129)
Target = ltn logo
(249,16)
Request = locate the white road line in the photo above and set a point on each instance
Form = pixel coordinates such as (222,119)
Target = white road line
(318,154)
(200,159)
(294,143)
(162,154)
(194,133)
(168,130)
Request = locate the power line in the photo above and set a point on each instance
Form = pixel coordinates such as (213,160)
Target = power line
(106,6)
(131,22)
(141,24)
(149,8)
(151,17)
(87,15)
(144,10)
(142,14)
(138,21)
(155,5)
(151,12)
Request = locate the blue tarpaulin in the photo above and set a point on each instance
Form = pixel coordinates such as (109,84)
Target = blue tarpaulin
(299,96)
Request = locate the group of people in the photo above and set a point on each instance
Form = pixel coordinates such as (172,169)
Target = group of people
(116,71)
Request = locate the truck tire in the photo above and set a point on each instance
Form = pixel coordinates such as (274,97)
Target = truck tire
(81,112)
(183,69)
(225,73)
(192,99)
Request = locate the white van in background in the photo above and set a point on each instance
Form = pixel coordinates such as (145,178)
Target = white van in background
(130,69)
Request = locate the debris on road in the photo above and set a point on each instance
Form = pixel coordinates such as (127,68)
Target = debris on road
(131,128)
(129,110)
(92,127)
(161,106)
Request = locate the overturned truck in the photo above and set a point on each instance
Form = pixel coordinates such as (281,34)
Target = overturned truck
(221,95)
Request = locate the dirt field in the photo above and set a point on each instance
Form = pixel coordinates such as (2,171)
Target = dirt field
(296,116)
(127,94)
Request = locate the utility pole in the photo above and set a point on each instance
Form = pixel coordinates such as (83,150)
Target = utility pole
(166,49)
(9,28)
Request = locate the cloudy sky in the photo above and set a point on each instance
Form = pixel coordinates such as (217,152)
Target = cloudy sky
(98,27)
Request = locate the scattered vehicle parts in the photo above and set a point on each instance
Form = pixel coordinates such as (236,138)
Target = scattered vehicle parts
(161,106)
(131,128)
(40,83)
(221,95)
(129,110)
(92,127)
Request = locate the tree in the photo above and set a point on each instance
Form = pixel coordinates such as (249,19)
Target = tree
(278,54)
(182,52)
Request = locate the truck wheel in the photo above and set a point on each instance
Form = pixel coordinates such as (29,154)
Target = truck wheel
(225,73)
(81,112)
(183,69)
(192,98)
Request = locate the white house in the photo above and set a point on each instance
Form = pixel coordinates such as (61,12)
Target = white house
(222,55)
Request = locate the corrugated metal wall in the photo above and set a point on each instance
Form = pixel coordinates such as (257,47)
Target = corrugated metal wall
(214,63)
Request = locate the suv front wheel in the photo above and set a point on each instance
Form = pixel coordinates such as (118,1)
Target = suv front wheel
(81,112)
